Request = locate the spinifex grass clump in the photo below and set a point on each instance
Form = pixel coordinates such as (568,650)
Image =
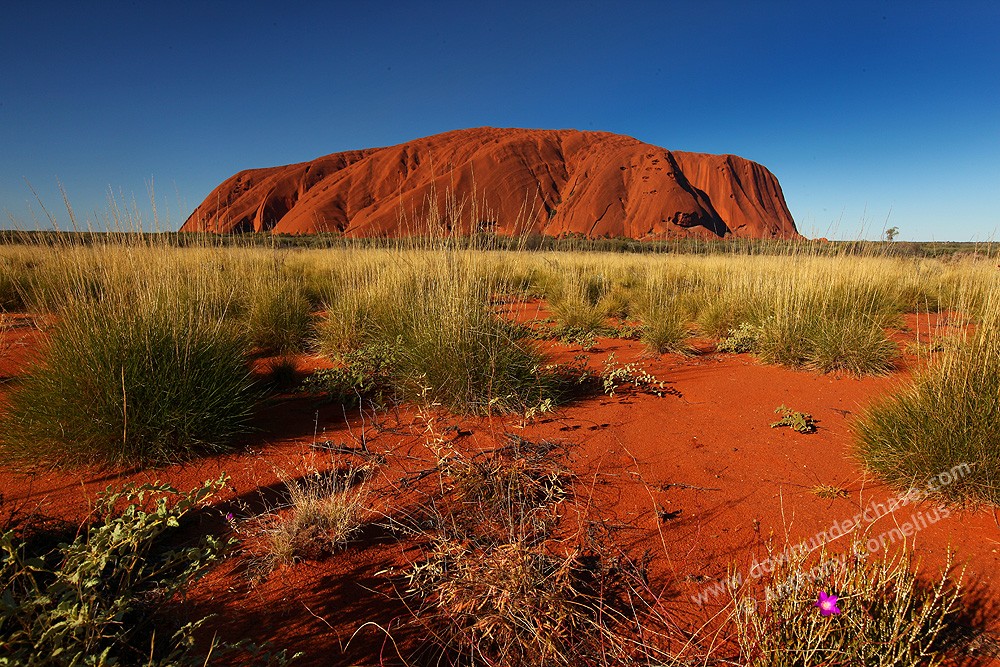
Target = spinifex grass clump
(664,326)
(577,301)
(948,419)
(847,609)
(130,382)
(459,353)
(833,327)
(279,317)
(449,346)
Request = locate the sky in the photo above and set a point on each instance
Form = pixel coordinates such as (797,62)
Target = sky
(870,114)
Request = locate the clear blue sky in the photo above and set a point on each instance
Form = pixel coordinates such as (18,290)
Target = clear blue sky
(859,108)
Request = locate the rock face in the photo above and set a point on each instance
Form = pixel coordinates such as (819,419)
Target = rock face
(508,181)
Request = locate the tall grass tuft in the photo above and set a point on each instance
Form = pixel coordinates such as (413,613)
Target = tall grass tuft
(126,383)
(664,325)
(833,327)
(279,317)
(949,417)
(324,510)
(450,346)
(578,305)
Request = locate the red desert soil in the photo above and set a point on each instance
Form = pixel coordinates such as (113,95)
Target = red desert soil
(511,181)
(697,477)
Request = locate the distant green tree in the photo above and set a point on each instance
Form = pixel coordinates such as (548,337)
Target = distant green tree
(891,233)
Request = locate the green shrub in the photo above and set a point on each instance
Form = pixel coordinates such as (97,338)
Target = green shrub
(105,597)
(948,417)
(740,340)
(887,617)
(130,383)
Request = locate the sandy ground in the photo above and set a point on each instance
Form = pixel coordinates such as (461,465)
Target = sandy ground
(697,478)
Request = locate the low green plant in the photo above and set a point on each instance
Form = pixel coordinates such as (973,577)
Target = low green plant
(130,383)
(881,614)
(106,597)
(800,422)
(740,340)
(366,372)
(616,375)
(585,337)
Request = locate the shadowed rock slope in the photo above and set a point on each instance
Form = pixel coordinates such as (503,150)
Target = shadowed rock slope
(508,181)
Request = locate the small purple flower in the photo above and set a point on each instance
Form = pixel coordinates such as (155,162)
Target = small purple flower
(229,517)
(827,604)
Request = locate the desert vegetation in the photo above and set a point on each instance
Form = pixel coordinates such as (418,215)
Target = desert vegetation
(154,353)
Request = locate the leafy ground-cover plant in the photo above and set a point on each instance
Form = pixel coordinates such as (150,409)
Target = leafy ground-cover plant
(848,609)
(363,373)
(740,340)
(616,375)
(800,422)
(106,597)
(130,383)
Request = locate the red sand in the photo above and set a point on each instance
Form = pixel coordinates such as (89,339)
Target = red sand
(706,457)
(510,181)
